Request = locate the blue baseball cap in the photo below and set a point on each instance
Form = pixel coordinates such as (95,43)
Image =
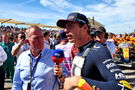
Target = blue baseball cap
(73,17)
(63,35)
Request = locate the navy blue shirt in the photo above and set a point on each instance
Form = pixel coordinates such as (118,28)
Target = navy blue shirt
(99,70)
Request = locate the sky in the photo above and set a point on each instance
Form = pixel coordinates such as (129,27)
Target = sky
(117,16)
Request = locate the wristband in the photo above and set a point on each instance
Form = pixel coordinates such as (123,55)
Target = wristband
(83,85)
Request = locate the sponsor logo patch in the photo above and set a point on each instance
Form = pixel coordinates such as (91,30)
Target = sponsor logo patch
(125,83)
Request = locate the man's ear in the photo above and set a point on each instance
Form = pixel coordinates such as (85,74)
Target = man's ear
(85,27)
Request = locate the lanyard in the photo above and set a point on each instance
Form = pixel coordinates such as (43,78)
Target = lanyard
(33,69)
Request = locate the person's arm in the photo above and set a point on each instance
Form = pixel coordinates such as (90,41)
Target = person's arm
(17,47)
(109,71)
(3,55)
(61,72)
(76,83)
(17,82)
(112,75)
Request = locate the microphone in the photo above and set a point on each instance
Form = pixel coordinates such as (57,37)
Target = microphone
(58,56)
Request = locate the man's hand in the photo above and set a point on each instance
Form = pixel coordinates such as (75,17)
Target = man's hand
(71,82)
(22,41)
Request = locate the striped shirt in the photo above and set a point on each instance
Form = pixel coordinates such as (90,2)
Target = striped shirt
(68,57)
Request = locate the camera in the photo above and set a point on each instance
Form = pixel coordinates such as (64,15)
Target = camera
(95,33)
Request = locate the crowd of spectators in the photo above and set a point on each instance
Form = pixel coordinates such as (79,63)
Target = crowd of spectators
(12,31)
(56,39)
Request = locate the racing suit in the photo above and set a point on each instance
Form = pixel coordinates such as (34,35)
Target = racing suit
(98,69)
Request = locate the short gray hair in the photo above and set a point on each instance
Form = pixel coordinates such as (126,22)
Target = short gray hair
(27,32)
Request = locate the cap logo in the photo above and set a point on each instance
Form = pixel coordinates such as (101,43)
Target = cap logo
(57,54)
(81,20)
(71,17)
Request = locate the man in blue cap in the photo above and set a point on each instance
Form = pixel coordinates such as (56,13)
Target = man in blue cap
(93,67)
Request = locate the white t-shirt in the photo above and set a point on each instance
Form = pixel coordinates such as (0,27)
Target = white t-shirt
(111,46)
(46,44)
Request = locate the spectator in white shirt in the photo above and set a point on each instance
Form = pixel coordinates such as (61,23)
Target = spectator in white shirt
(21,46)
(102,38)
(47,42)
(3,57)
